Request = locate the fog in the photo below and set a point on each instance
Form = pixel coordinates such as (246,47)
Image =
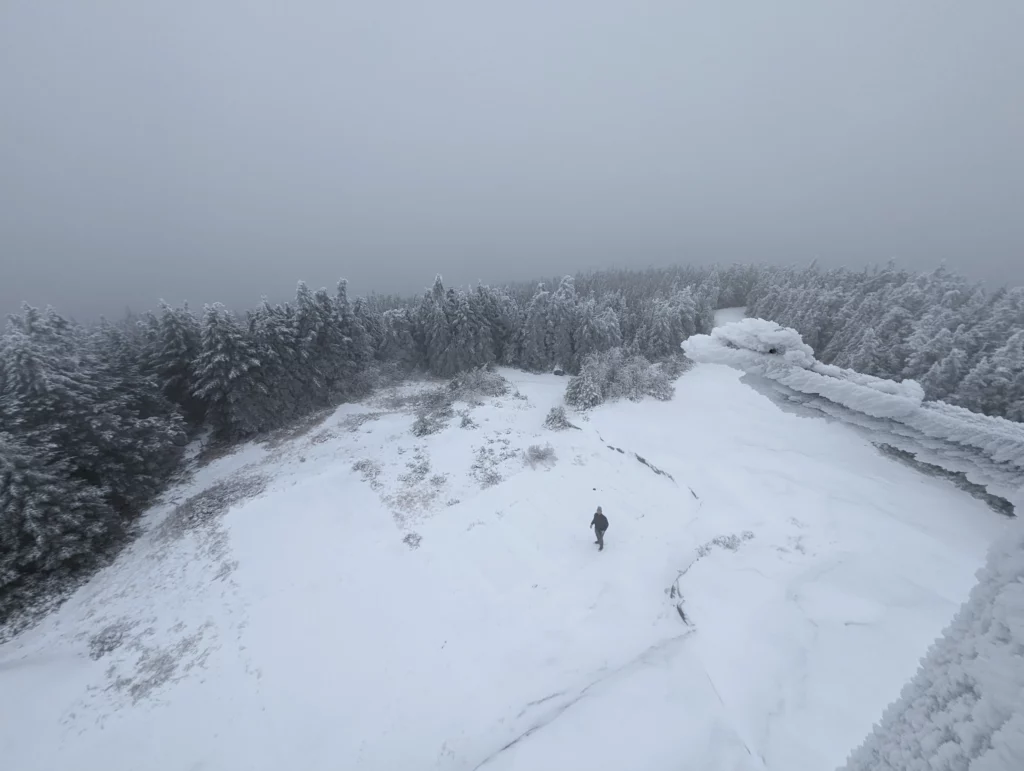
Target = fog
(224,150)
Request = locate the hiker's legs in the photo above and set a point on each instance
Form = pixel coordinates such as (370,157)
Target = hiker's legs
(600,540)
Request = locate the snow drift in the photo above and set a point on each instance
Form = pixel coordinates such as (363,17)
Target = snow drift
(989,450)
(764,347)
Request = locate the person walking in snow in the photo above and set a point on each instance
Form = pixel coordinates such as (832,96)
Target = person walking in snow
(600,524)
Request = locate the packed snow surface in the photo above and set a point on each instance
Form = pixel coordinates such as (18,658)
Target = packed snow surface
(368,599)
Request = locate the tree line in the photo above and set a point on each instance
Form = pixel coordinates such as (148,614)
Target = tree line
(94,419)
(963,344)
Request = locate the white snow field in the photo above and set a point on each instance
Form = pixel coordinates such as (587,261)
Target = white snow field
(374,600)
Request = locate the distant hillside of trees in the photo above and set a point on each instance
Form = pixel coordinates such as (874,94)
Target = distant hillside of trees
(94,419)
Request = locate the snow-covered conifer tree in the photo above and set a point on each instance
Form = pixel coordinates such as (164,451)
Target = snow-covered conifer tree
(49,520)
(225,376)
(173,360)
(964,709)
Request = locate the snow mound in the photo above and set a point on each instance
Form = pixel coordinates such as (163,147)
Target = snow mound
(762,336)
(779,354)
(766,348)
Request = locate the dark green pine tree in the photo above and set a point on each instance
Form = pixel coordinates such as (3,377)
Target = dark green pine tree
(174,359)
(49,520)
(226,377)
(81,401)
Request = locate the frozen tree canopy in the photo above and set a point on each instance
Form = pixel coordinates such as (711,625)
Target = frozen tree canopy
(964,710)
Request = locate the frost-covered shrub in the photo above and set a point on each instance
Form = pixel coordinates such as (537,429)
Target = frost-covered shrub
(482,381)
(369,469)
(418,467)
(964,709)
(431,421)
(556,419)
(615,375)
(730,542)
(484,469)
(536,455)
(583,392)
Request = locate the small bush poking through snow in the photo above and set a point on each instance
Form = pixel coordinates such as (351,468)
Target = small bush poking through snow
(614,375)
(478,381)
(483,468)
(368,468)
(418,467)
(556,420)
(206,506)
(730,542)
(536,455)
(432,421)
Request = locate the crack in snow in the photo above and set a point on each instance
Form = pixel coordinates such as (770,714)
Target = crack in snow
(642,658)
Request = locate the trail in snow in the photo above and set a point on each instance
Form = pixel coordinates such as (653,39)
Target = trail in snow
(307,627)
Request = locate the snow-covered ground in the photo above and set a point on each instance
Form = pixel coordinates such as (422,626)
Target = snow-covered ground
(374,600)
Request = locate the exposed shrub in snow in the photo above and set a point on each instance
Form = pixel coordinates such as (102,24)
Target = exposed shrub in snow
(204,508)
(536,455)
(964,709)
(484,469)
(431,421)
(557,420)
(418,467)
(480,381)
(369,469)
(615,375)
(730,542)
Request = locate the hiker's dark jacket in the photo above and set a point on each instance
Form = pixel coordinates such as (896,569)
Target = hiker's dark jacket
(599,522)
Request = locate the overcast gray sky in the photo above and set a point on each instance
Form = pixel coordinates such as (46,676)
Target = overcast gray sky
(223,149)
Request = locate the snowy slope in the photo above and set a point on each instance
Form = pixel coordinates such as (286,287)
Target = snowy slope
(408,613)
